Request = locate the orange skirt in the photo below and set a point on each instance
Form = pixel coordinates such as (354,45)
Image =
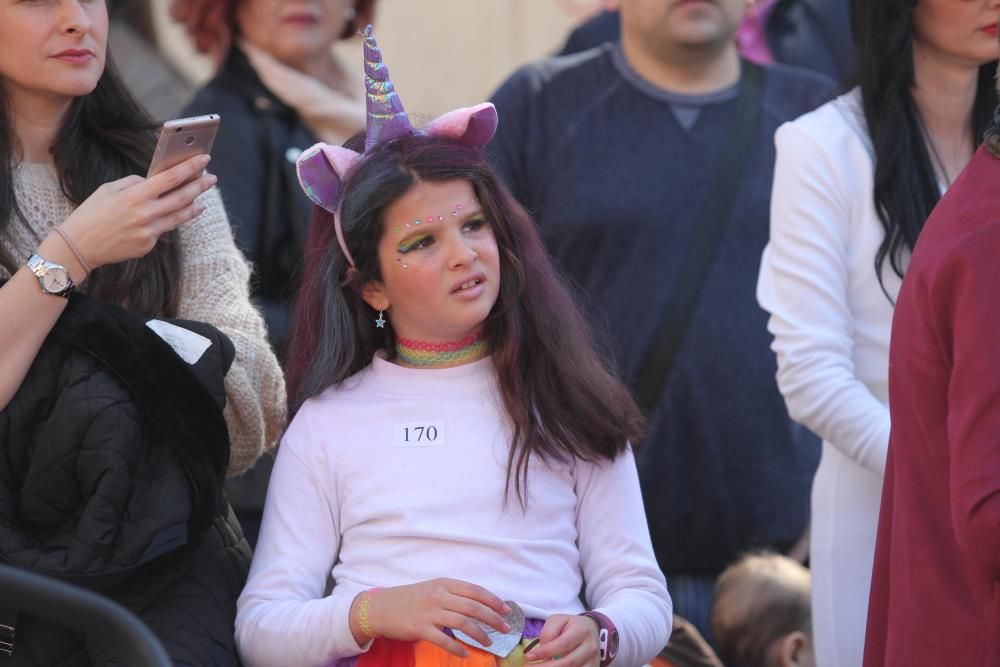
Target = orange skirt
(393,653)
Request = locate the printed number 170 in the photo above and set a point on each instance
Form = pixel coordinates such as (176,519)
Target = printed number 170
(421,433)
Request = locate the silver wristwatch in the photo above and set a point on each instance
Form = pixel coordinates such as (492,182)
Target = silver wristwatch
(53,278)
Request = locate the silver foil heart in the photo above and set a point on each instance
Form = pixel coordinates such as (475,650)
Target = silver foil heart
(503,643)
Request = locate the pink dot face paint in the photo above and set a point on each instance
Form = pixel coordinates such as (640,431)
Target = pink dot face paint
(430,219)
(422,240)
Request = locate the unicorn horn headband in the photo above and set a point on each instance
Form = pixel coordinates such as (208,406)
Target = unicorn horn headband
(322,167)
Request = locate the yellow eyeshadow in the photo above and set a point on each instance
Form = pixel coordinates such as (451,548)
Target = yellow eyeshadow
(406,247)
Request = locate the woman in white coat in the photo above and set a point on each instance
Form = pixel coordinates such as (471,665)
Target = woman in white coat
(854,182)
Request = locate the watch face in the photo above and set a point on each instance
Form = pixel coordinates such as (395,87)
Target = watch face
(55,280)
(613,644)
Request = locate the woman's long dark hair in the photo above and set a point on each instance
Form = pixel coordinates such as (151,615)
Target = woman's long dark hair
(905,184)
(562,401)
(105,136)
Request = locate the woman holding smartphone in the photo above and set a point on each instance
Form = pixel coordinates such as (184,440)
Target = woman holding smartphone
(74,147)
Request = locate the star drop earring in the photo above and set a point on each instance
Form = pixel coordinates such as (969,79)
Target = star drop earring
(380,321)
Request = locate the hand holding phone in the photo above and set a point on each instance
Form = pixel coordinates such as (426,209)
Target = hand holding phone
(183,138)
(124,219)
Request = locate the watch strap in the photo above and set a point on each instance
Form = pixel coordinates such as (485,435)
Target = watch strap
(608,638)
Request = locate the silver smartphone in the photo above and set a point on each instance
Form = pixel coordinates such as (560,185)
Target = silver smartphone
(181,139)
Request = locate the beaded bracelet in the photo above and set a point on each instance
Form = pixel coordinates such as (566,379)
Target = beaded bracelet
(364,603)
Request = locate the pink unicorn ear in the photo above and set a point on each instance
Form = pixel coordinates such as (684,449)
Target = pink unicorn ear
(473,126)
(321,170)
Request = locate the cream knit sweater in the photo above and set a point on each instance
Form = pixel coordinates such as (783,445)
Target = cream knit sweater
(214,289)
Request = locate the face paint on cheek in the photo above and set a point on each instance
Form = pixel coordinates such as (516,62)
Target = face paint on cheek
(399,260)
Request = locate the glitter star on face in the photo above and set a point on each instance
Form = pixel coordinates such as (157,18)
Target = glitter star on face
(380,322)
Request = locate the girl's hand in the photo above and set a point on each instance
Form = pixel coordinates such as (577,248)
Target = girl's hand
(420,611)
(123,219)
(573,638)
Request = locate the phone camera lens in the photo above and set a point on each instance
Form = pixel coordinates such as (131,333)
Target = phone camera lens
(189,141)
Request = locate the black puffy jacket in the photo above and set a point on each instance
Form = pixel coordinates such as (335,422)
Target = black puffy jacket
(112,458)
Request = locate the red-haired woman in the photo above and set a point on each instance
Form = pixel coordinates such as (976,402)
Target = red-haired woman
(279,89)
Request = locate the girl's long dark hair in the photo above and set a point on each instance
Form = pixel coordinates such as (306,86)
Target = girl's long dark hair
(562,400)
(905,184)
(105,136)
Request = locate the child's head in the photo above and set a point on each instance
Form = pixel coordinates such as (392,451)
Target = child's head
(421,215)
(761,613)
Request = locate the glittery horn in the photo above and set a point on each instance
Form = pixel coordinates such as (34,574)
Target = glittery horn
(387,120)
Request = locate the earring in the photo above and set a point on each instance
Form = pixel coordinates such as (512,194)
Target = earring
(380,321)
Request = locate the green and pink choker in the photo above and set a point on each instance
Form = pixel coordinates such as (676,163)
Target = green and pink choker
(424,355)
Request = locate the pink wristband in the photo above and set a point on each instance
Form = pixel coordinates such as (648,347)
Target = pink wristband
(73,249)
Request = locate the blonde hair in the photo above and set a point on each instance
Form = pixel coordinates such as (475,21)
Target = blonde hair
(759,599)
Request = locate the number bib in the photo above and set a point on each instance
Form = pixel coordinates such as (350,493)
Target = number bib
(419,434)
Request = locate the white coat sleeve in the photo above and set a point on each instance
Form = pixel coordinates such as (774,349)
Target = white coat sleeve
(283,615)
(623,580)
(803,284)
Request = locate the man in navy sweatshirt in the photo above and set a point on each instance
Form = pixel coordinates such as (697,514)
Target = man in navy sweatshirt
(613,150)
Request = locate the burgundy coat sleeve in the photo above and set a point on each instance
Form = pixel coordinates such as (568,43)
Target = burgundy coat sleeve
(968,321)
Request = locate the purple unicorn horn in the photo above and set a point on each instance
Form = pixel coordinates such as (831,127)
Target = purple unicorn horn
(387,120)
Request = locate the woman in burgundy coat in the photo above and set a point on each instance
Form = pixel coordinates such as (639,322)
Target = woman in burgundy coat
(935,597)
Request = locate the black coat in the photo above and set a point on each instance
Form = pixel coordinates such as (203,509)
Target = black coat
(254,157)
(112,458)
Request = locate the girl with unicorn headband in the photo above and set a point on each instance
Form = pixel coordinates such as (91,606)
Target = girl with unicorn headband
(459,463)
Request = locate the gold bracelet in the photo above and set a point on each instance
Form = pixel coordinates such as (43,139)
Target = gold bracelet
(364,603)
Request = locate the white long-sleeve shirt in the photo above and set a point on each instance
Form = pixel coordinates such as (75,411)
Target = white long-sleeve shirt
(399,477)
